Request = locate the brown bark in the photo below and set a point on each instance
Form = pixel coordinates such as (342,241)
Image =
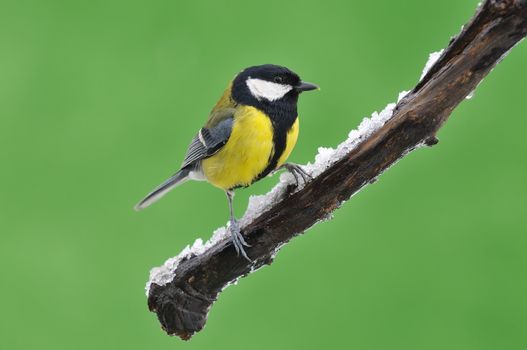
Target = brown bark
(183,304)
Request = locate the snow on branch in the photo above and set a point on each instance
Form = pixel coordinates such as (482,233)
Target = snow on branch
(182,291)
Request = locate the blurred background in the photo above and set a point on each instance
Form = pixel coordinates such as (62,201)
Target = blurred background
(98,101)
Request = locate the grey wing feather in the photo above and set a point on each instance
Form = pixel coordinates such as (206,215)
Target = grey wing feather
(207,142)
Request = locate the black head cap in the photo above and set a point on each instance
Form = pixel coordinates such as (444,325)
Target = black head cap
(268,83)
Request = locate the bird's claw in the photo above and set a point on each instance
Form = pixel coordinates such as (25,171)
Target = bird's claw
(238,241)
(298,172)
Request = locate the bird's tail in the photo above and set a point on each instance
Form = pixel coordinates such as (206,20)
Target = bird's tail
(177,179)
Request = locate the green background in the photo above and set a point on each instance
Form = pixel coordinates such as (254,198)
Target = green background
(98,100)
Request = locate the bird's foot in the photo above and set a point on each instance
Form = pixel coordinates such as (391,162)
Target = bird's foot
(237,239)
(298,173)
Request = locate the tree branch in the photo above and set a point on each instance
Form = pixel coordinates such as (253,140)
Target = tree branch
(183,290)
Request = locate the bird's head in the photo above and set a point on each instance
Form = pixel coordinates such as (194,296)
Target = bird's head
(268,83)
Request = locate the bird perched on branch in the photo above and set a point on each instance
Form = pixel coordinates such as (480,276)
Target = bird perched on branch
(250,133)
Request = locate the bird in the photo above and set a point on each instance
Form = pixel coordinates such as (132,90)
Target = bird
(249,134)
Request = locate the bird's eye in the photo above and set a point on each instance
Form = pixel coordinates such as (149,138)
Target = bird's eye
(278,79)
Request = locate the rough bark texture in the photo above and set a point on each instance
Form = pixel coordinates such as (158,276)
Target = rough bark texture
(183,304)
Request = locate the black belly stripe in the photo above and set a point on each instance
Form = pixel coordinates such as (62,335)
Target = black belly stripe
(282,118)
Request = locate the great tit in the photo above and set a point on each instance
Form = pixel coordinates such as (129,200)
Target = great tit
(250,133)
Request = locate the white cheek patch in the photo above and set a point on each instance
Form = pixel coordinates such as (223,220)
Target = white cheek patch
(265,89)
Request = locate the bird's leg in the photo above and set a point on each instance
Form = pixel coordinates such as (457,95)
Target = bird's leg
(297,172)
(234,227)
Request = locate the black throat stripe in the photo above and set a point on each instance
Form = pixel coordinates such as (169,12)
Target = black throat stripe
(283,116)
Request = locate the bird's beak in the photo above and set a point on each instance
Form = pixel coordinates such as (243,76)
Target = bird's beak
(305,86)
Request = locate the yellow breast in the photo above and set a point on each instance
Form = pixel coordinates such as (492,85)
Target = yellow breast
(246,153)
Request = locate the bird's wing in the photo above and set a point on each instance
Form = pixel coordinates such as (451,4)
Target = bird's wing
(208,141)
